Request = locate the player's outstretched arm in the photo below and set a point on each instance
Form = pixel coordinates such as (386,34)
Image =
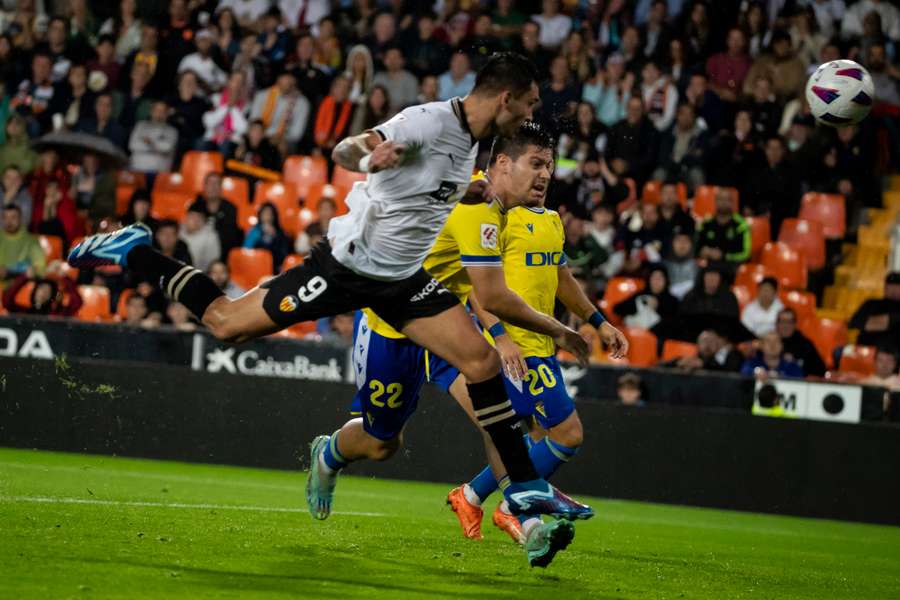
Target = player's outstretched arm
(573,298)
(510,355)
(496,297)
(367,153)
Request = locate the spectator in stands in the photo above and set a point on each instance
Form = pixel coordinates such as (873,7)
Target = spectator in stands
(284,112)
(656,33)
(310,79)
(124,29)
(713,354)
(507,21)
(559,95)
(771,361)
(681,266)
(725,236)
(55,214)
(529,46)
(55,295)
(103,124)
(360,71)
(427,54)
(139,210)
(603,231)
(578,55)
(709,304)
(201,62)
(315,231)
(256,150)
(852,23)
(805,35)
(401,85)
(781,66)
(652,308)
(761,314)
(735,154)
(133,105)
(584,253)
(226,121)
(630,390)
(554,26)
(180,317)
(16,149)
(797,346)
(137,313)
(885,75)
(765,112)
(13,191)
(376,110)
(673,218)
(333,116)
(153,143)
(709,109)
(340,329)
(458,81)
(273,40)
(878,320)
(35,96)
(105,64)
(73,100)
(634,140)
(222,212)
(659,95)
(186,110)
(609,90)
(20,251)
(727,70)
(267,234)
(774,188)
(428,90)
(644,238)
(885,374)
(218,271)
(481,43)
(167,242)
(682,149)
(201,238)
(94,188)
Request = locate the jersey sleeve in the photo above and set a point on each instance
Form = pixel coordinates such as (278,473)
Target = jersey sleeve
(414,126)
(476,230)
(561,231)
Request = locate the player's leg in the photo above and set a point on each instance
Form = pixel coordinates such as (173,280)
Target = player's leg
(390,373)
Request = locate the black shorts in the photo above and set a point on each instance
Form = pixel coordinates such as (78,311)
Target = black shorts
(323,287)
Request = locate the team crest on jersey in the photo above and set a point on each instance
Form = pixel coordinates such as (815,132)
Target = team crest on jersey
(288,304)
(539,406)
(489,236)
(444,193)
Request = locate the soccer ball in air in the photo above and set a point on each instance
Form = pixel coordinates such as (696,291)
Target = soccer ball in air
(840,93)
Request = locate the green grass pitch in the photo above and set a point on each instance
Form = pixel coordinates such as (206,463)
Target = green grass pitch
(74,526)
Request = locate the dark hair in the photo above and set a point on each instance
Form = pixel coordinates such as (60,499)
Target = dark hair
(505,71)
(14,207)
(329,200)
(14,167)
(787,310)
(106,38)
(276,222)
(211,174)
(769,281)
(530,133)
(167,223)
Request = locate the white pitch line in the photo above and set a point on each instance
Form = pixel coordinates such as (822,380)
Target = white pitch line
(186,479)
(143,504)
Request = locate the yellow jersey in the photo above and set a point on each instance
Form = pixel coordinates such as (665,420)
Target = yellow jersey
(531,243)
(470,237)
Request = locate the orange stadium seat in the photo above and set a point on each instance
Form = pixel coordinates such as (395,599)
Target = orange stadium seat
(760,233)
(803,303)
(807,238)
(743,295)
(328,190)
(826,334)
(673,349)
(281,194)
(196,164)
(344,178)
(23,296)
(170,197)
(236,190)
(641,347)
(123,303)
(96,303)
(652,192)
(618,289)
(705,200)
(248,266)
(304,171)
(829,210)
(858,359)
(785,263)
(126,184)
(52,246)
(291,261)
(749,275)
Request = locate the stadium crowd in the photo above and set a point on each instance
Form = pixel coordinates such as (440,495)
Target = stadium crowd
(686,152)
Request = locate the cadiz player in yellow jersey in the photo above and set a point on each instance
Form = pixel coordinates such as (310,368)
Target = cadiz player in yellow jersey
(390,370)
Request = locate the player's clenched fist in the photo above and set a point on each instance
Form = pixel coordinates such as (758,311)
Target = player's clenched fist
(613,339)
(386,155)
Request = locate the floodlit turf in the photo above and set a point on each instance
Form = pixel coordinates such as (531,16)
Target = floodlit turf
(74,526)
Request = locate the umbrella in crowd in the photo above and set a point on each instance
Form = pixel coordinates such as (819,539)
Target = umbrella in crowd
(72,146)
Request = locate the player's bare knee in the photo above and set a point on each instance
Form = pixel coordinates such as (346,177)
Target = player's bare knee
(384,449)
(480,365)
(569,433)
(221,323)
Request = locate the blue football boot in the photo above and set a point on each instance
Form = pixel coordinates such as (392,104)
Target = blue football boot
(537,497)
(109,248)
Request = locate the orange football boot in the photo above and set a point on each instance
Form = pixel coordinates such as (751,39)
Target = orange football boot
(510,524)
(469,515)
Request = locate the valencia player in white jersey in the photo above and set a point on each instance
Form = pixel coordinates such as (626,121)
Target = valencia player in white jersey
(419,164)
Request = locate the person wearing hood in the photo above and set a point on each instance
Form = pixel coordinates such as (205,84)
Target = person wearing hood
(681,266)
(709,304)
(360,71)
(653,307)
(17,148)
(57,296)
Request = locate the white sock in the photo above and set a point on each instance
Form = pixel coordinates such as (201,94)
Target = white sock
(470,495)
(325,468)
(504,508)
(530,524)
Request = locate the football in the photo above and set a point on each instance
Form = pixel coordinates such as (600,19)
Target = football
(840,93)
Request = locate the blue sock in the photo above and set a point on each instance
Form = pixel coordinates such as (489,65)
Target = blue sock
(546,455)
(332,456)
